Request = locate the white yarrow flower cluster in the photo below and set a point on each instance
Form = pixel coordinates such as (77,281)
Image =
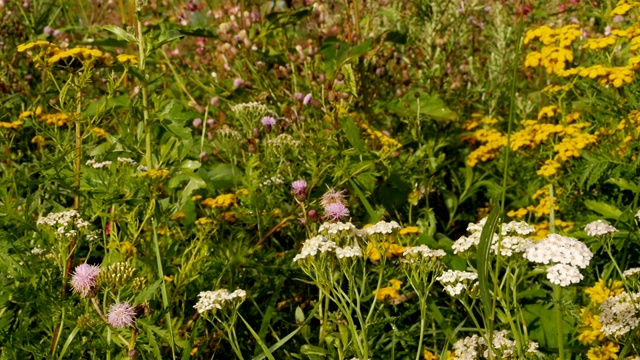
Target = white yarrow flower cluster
(519,227)
(599,228)
(315,245)
(283,141)
(98,165)
(424,251)
(123,160)
(619,314)
(455,282)
(565,254)
(218,299)
(475,347)
(330,228)
(630,272)
(512,240)
(250,109)
(62,221)
(348,252)
(382,227)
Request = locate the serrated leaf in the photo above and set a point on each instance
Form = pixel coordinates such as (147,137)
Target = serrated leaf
(120,33)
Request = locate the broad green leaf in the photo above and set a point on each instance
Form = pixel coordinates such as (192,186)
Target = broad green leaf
(624,184)
(604,209)
(353,134)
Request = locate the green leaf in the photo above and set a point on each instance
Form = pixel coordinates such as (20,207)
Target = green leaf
(624,184)
(267,352)
(147,293)
(313,350)
(198,31)
(353,134)
(484,263)
(190,164)
(120,33)
(178,130)
(604,209)
(285,339)
(167,37)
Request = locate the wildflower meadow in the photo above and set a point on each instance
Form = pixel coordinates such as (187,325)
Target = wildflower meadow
(320,179)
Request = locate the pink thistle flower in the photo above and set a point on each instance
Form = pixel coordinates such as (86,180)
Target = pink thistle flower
(121,315)
(336,211)
(299,189)
(332,196)
(84,279)
(268,121)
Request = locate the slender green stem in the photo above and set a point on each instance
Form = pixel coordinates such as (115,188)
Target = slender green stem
(423,314)
(143,90)
(557,292)
(165,298)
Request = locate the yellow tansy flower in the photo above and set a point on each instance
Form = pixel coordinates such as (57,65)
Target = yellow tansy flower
(608,351)
(409,230)
(390,292)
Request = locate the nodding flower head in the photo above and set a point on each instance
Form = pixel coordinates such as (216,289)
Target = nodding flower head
(299,189)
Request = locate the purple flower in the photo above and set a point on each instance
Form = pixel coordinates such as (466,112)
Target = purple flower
(268,121)
(121,315)
(48,30)
(336,211)
(84,279)
(214,101)
(298,96)
(197,122)
(237,82)
(299,189)
(307,99)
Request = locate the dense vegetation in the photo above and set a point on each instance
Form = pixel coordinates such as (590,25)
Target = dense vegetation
(319,179)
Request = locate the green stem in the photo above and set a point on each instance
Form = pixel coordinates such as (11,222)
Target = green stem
(423,314)
(165,298)
(557,292)
(143,90)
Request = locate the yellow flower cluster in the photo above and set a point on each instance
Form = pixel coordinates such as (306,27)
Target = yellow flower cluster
(623,7)
(155,174)
(57,119)
(556,53)
(542,229)
(379,139)
(601,291)
(390,292)
(390,249)
(493,141)
(50,54)
(409,230)
(99,132)
(600,43)
(223,201)
(127,59)
(590,333)
(80,53)
(18,123)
